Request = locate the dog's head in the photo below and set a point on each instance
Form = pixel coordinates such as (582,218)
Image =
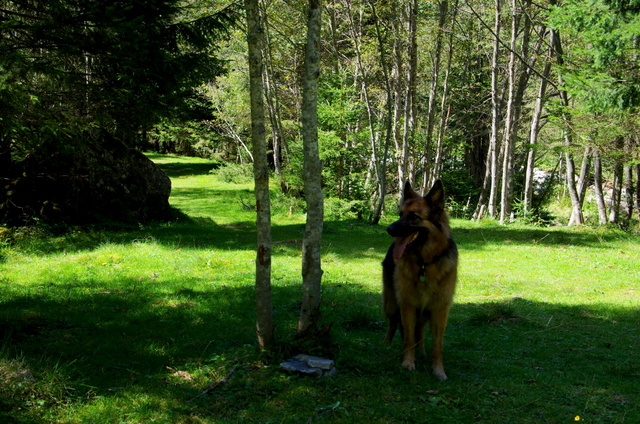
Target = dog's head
(418,217)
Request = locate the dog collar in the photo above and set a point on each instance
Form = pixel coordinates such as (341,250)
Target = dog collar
(423,267)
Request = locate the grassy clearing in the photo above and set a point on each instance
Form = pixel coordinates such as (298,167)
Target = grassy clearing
(105,326)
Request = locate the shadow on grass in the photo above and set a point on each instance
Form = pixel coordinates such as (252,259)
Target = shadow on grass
(98,344)
(354,238)
(351,238)
(477,238)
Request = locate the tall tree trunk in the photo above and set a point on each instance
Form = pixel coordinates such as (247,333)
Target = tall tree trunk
(311,270)
(374,162)
(614,212)
(597,175)
(443,8)
(444,109)
(408,132)
(637,190)
(255,34)
(272,101)
(576,203)
(576,211)
(492,154)
(480,207)
(509,127)
(584,173)
(382,175)
(535,128)
(618,178)
(629,187)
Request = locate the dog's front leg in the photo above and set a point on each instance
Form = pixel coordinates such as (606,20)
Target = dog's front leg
(438,326)
(408,315)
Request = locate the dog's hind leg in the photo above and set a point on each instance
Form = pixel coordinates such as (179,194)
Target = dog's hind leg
(408,314)
(438,326)
(391,310)
(394,323)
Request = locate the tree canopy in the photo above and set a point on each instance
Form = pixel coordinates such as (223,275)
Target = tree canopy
(480,94)
(76,74)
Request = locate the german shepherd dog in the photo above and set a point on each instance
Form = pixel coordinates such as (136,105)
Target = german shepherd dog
(419,274)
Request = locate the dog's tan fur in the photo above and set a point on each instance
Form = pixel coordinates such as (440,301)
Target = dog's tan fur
(419,275)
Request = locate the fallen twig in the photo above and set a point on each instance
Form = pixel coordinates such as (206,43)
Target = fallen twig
(216,384)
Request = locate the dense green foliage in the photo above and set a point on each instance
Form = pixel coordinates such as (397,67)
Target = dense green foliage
(149,74)
(81,83)
(73,67)
(157,323)
(602,68)
(365,72)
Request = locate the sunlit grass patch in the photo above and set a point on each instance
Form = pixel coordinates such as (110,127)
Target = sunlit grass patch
(137,324)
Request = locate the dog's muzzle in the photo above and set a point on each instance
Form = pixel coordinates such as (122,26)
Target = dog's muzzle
(398,229)
(404,235)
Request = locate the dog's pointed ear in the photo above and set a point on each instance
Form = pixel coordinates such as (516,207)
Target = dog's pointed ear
(408,192)
(436,195)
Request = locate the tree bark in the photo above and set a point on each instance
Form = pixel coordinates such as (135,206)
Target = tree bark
(576,211)
(629,187)
(264,322)
(597,175)
(496,103)
(311,270)
(584,173)
(410,96)
(535,128)
(614,212)
(382,169)
(509,127)
(374,162)
(576,203)
(444,108)
(443,8)
(637,190)
(272,99)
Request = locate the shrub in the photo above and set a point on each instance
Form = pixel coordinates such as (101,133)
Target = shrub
(235,173)
(342,209)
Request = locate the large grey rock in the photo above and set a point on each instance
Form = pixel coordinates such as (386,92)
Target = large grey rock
(88,182)
(309,365)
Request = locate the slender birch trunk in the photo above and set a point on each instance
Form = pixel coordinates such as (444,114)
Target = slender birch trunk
(509,127)
(443,7)
(311,270)
(374,161)
(535,128)
(576,204)
(382,170)
(491,175)
(584,173)
(272,101)
(637,191)
(492,154)
(576,213)
(444,109)
(581,187)
(614,211)
(597,176)
(264,322)
(629,187)
(404,174)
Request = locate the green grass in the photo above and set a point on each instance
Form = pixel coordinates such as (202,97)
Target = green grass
(131,326)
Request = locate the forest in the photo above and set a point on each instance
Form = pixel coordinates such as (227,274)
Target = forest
(144,144)
(513,103)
